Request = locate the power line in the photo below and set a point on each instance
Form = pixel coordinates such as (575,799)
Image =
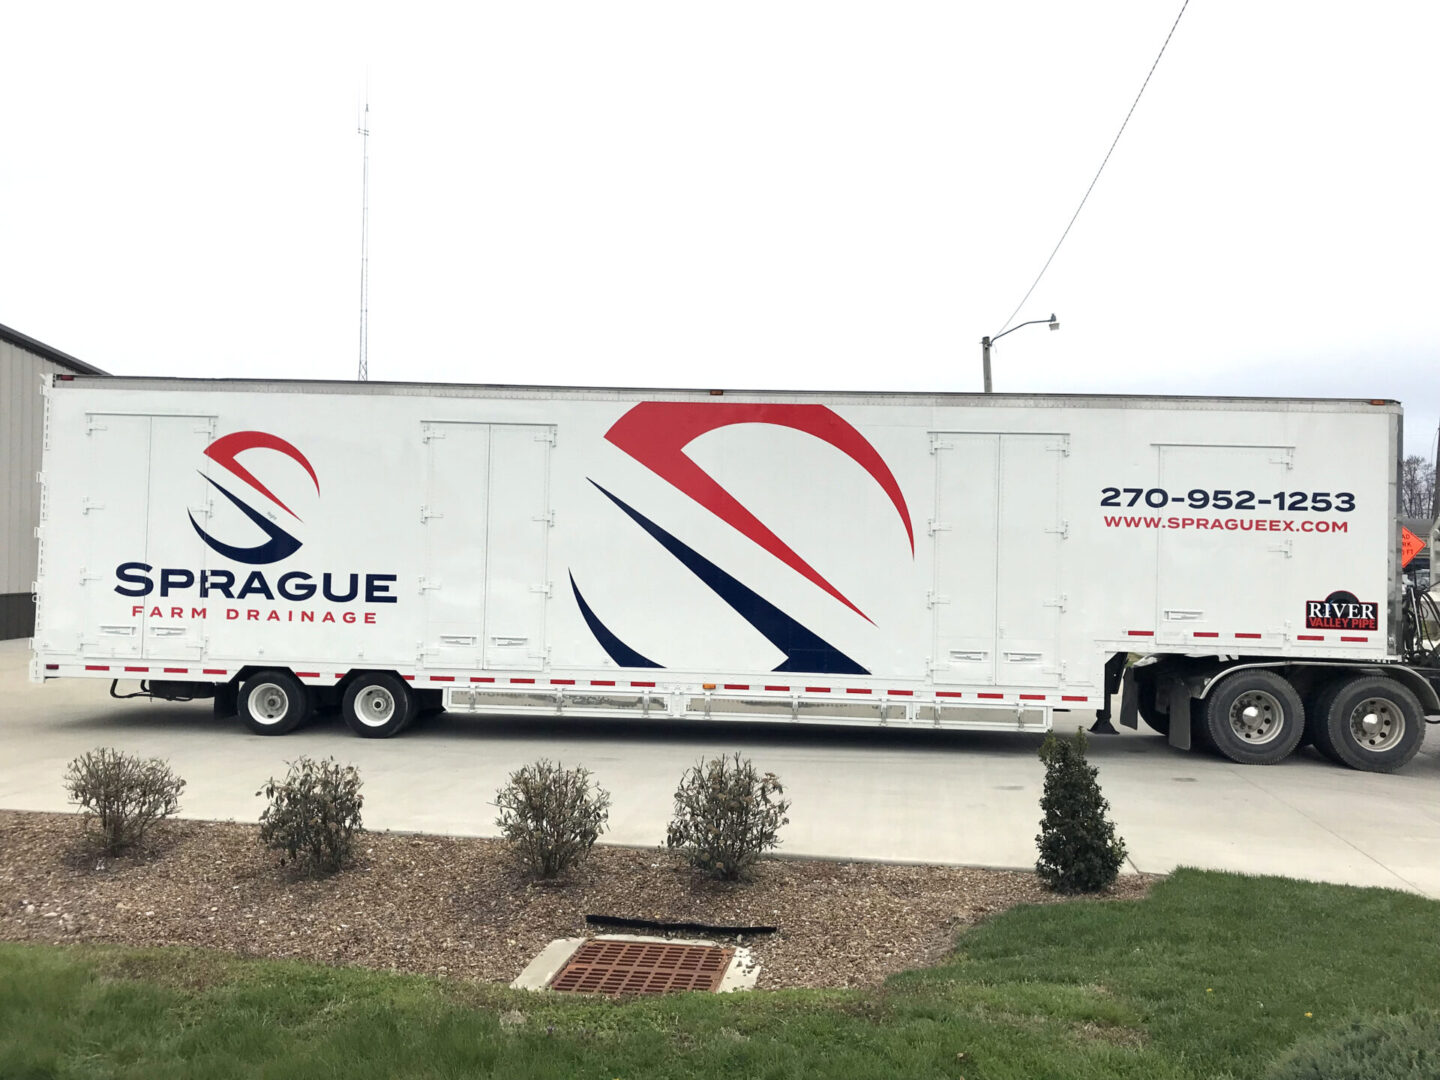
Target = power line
(1098,171)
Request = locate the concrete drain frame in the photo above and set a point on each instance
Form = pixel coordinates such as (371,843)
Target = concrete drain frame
(617,965)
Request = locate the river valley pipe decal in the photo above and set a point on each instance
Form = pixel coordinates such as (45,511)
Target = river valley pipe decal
(656,433)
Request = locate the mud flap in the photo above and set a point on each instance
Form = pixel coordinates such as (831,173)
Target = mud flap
(1179,696)
(227,697)
(1129,701)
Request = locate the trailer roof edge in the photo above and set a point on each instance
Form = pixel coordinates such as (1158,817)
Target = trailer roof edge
(523,390)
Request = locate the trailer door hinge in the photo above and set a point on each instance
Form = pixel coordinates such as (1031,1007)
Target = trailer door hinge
(1286,458)
(936,445)
(87,504)
(1285,547)
(544,590)
(431,432)
(426,514)
(1062,447)
(426,584)
(938,526)
(1063,531)
(548,518)
(1058,602)
(932,598)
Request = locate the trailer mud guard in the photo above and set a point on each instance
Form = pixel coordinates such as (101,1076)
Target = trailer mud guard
(1179,698)
(1129,701)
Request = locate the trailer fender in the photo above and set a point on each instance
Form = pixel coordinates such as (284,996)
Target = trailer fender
(1418,685)
(1413,680)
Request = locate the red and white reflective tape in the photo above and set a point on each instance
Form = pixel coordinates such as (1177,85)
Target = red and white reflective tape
(525,680)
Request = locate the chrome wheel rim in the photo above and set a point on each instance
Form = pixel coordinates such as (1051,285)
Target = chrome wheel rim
(1256,717)
(1376,724)
(268,703)
(374,706)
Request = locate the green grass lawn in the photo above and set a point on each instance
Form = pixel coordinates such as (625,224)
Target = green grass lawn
(1212,976)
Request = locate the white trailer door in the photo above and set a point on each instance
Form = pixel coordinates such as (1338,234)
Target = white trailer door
(178,491)
(517,573)
(487,531)
(997,536)
(1199,567)
(456,526)
(967,510)
(1029,604)
(144,478)
(115,512)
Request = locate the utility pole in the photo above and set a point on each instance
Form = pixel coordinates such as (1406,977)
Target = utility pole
(1435,486)
(364,131)
(1434,537)
(987,341)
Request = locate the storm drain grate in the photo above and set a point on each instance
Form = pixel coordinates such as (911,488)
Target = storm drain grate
(636,967)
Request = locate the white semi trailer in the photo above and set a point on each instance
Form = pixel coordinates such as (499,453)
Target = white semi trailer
(918,560)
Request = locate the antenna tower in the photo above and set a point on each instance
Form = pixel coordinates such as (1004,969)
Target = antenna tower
(364,131)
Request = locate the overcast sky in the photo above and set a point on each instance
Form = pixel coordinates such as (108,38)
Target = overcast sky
(796,195)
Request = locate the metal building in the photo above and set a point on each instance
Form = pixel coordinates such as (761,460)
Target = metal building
(24,364)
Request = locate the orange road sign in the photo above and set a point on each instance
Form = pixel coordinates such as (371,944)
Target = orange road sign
(1410,545)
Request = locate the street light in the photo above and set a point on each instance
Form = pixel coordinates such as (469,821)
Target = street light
(986,342)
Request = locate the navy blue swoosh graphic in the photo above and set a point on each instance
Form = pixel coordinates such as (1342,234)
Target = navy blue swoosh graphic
(280,544)
(804,650)
(616,649)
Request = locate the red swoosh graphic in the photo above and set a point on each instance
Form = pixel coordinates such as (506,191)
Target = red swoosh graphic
(224,449)
(655,433)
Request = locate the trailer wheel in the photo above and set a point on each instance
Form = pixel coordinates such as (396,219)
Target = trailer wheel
(1254,717)
(377,705)
(273,702)
(1374,723)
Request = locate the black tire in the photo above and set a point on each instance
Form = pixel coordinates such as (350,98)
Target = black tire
(1199,732)
(1254,717)
(1317,712)
(378,705)
(273,703)
(1374,723)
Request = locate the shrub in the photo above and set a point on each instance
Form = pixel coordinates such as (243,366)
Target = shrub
(122,795)
(726,815)
(551,816)
(1373,1048)
(1079,851)
(313,815)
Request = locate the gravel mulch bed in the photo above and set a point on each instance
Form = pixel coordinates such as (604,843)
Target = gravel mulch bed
(459,908)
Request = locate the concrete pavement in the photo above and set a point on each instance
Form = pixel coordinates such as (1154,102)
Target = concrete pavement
(906,796)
